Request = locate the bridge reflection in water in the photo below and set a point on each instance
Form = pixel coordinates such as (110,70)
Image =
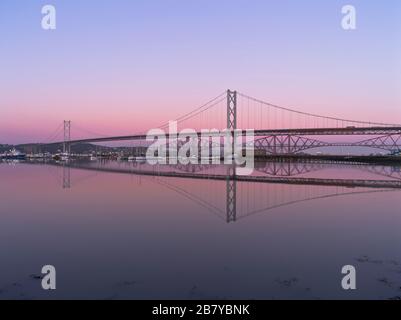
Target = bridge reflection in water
(231,197)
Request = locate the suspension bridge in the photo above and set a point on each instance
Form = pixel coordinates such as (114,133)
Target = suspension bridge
(277,130)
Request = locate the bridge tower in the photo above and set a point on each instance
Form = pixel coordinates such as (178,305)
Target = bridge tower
(231,110)
(231,183)
(232,117)
(231,194)
(67,137)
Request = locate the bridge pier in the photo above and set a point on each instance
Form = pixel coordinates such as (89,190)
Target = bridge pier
(67,137)
(231,194)
(232,117)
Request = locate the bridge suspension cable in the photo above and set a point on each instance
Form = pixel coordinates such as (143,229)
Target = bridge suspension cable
(205,107)
(311,115)
(96,134)
(55,134)
(264,118)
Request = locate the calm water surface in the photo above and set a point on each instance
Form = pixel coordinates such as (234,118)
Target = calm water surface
(129,236)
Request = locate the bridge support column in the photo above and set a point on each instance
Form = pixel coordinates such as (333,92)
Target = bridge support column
(231,110)
(232,116)
(231,183)
(66,177)
(231,200)
(67,137)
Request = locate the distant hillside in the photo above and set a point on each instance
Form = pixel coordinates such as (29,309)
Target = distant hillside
(76,148)
(5,147)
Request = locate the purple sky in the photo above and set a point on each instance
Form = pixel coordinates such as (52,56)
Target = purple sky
(117,67)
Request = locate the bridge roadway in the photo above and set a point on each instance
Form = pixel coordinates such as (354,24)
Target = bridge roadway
(260,133)
(351,183)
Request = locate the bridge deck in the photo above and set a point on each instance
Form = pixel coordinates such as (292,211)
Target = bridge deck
(260,133)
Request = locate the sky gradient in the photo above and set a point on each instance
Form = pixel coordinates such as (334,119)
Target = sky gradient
(118,67)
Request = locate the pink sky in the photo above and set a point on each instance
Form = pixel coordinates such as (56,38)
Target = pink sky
(158,62)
